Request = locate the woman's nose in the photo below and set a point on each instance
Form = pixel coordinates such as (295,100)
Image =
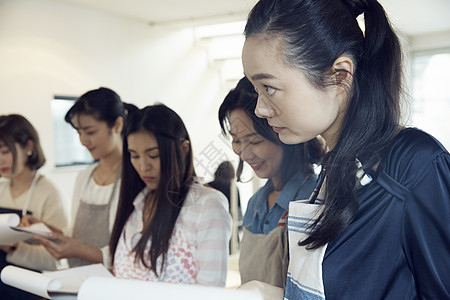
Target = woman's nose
(144,165)
(263,108)
(246,152)
(83,140)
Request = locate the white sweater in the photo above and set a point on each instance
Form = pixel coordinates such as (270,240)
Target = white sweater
(47,205)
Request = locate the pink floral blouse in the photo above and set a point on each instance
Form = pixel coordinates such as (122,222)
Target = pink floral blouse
(198,249)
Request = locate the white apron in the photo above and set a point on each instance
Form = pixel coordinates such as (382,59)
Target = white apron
(304,278)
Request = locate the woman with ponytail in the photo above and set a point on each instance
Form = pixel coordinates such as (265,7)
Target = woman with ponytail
(377,224)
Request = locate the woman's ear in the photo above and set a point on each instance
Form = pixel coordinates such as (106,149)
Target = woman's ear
(118,125)
(343,71)
(185,147)
(29,147)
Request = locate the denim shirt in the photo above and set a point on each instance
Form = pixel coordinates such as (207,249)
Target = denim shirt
(259,219)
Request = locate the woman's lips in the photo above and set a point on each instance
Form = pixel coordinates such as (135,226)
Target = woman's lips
(148,179)
(256,167)
(277,129)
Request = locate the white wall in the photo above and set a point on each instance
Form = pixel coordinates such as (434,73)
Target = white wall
(430,110)
(52,48)
(436,40)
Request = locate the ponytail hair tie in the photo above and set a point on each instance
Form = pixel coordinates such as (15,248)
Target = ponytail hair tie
(357,7)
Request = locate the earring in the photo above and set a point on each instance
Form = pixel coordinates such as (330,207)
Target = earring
(29,153)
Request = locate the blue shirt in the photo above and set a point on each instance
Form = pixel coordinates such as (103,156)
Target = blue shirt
(398,245)
(259,219)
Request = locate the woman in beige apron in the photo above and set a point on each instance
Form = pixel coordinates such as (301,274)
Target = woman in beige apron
(91,226)
(98,116)
(290,174)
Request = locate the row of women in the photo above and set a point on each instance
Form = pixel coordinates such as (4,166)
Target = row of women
(318,90)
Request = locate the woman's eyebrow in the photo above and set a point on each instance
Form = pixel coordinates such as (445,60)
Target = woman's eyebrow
(245,136)
(146,150)
(260,76)
(150,149)
(84,128)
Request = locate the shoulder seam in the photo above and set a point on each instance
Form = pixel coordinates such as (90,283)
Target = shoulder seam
(392,186)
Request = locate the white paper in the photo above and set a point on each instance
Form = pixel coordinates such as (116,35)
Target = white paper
(7,220)
(30,281)
(268,291)
(34,229)
(7,235)
(96,288)
(11,234)
(65,282)
(71,279)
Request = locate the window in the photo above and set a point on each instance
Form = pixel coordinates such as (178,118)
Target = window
(224,43)
(430,79)
(68,149)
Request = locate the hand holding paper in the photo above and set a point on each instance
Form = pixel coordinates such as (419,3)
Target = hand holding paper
(60,246)
(35,229)
(7,234)
(29,220)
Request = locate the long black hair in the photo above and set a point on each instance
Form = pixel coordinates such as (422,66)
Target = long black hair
(177,174)
(315,33)
(299,157)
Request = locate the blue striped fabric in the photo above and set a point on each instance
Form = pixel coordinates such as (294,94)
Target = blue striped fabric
(295,290)
(304,278)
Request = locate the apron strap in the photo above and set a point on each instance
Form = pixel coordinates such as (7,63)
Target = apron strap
(30,193)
